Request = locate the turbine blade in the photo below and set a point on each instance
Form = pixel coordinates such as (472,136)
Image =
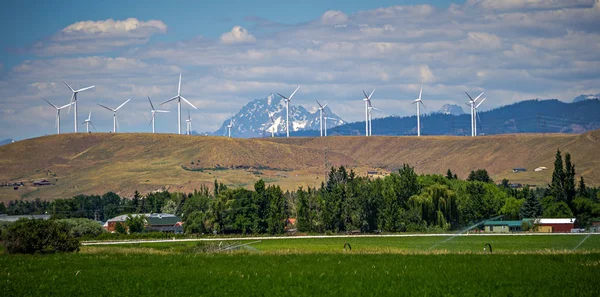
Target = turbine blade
(86,88)
(296,90)
(51,103)
(68,85)
(151,105)
(421,92)
(65,106)
(169,100)
(179,87)
(480,102)
(469,96)
(325,105)
(426,111)
(93,126)
(90,116)
(161,111)
(321,106)
(122,104)
(284,97)
(371,94)
(72,102)
(478,96)
(192,105)
(107,108)
(366,96)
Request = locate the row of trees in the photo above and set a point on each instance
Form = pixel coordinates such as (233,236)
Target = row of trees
(401,201)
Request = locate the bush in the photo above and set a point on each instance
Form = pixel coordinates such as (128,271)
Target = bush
(30,236)
(82,227)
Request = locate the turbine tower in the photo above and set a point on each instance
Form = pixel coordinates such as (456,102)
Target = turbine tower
(179,98)
(321,108)
(74,100)
(370,109)
(367,100)
(472,105)
(229,126)
(419,102)
(154,111)
(287,110)
(88,122)
(115,123)
(58,114)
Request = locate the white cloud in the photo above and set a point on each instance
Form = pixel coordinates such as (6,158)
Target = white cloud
(237,35)
(334,17)
(527,4)
(99,36)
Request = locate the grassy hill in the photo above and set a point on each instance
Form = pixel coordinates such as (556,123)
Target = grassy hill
(99,162)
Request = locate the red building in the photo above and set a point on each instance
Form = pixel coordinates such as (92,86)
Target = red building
(556,225)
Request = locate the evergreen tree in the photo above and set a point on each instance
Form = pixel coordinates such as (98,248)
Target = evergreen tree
(303,217)
(135,203)
(582,190)
(556,188)
(449,174)
(532,207)
(569,182)
(480,175)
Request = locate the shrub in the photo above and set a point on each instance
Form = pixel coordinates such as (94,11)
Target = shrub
(30,236)
(81,227)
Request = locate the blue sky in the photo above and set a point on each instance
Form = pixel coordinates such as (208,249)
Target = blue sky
(233,51)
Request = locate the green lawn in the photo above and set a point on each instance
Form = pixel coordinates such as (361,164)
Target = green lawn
(300,275)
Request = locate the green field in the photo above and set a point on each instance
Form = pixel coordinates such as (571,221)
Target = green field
(382,266)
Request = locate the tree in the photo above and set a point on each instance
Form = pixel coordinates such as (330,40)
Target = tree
(531,207)
(582,189)
(2,208)
(505,183)
(569,182)
(558,210)
(136,223)
(449,174)
(303,221)
(194,223)
(135,202)
(120,228)
(277,216)
(170,207)
(31,236)
(81,227)
(480,175)
(512,208)
(557,187)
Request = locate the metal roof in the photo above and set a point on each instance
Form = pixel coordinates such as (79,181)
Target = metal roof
(503,223)
(555,221)
(123,218)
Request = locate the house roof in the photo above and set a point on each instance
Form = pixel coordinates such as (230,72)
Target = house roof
(163,220)
(556,221)
(503,223)
(7,218)
(123,218)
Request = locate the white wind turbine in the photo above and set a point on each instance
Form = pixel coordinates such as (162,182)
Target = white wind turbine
(189,124)
(88,122)
(179,98)
(370,109)
(58,114)
(419,102)
(475,114)
(327,118)
(272,124)
(287,110)
(367,100)
(321,108)
(229,126)
(472,105)
(74,100)
(154,111)
(115,122)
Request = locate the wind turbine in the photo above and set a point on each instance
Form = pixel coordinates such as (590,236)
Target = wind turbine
(367,100)
(472,105)
(58,114)
(88,122)
(287,110)
(189,124)
(370,109)
(419,102)
(154,111)
(321,108)
(179,98)
(476,115)
(74,99)
(229,126)
(115,123)
(327,118)
(272,124)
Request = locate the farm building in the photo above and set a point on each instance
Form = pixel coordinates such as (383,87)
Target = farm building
(43,182)
(7,218)
(555,225)
(160,222)
(519,169)
(502,226)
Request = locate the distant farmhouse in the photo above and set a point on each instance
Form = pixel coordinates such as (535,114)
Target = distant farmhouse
(566,225)
(156,222)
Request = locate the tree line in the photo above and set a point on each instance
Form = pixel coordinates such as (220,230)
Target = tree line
(402,201)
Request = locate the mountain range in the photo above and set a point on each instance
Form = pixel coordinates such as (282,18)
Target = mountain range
(253,119)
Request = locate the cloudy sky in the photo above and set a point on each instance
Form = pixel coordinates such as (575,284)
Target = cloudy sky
(230,52)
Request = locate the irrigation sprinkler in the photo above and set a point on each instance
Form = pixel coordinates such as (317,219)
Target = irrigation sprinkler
(236,245)
(347,246)
(485,250)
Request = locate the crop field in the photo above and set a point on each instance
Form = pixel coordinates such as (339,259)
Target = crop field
(381,266)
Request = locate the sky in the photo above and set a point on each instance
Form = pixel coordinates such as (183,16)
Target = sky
(231,52)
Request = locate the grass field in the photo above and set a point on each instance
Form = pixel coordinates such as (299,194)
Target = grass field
(100,162)
(381,266)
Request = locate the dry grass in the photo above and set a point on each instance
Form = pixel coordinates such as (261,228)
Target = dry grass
(96,163)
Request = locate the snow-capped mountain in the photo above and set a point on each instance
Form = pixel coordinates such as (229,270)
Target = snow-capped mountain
(452,109)
(253,119)
(586,97)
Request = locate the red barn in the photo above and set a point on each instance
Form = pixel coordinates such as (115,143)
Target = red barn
(556,225)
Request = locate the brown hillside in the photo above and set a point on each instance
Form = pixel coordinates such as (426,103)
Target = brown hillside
(96,163)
